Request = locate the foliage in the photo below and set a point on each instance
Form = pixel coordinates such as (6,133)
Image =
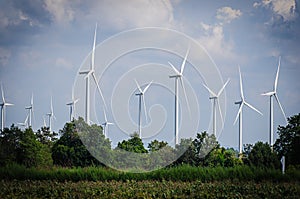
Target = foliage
(156,145)
(222,157)
(288,143)
(262,156)
(134,144)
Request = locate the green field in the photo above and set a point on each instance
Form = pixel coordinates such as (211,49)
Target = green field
(175,182)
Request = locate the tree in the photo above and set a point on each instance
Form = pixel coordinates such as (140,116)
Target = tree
(156,145)
(288,143)
(69,150)
(134,144)
(262,156)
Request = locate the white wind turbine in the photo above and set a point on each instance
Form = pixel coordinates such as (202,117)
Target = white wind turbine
(72,106)
(25,123)
(271,94)
(3,105)
(215,98)
(30,113)
(178,75)
(141,98)
(106,124)
(239,114)
(51,116)
(88,74)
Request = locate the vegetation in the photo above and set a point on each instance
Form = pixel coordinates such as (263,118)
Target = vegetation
(39,164)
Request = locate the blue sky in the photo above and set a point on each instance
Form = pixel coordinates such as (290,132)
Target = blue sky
(43,44)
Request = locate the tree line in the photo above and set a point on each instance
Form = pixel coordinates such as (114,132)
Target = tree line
(46,149)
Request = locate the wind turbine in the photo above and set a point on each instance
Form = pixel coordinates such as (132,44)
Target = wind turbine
(241,103)
(141,98)
(271,94)
(3,105)
(215,98)
(30,109)
(72,106)
(51,115)
(25,123)
(178,75)
(88,74)
(106,124)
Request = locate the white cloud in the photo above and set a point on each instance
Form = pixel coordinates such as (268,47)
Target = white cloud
(133,13)
(4,56)
(61,62)
(227,14)
(61,10)
(284,8)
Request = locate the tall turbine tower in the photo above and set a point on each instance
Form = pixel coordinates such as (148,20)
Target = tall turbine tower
(51,116)
(106,124)
(215,98)
(30,113)
(141,98)
(271,94)
(241,103)
(178,75)
(88,74)
(3,105)
(72,106)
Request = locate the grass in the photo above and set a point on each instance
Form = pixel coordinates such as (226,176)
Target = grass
(179,173)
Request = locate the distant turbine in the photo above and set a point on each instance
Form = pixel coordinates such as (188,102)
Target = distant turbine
(239,114)
(271,94)
(179,76)
(25,123)
(72,106)
(141,98)
(106,124)
(215,98)
(51,116)
(3,105)
(30,113)
(87,74)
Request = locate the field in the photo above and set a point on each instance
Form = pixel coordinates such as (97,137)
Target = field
(178,182)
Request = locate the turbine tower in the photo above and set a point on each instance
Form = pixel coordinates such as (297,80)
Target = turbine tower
(178,75)
(88,74)
(241,103)
(51,116)
(72,106)
(215,98)
(106,124)
(3,105)
(271,94)
(30,113)
(141,98)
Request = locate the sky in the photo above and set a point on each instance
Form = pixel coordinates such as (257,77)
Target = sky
(44,43)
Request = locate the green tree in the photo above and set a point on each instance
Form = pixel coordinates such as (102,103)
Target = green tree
(262,156)
(156,145)
(288,143)
(134,144)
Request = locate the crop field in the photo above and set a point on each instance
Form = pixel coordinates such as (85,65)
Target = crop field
(178,182)
(147,189)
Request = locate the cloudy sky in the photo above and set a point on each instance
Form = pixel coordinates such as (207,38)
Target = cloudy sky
(44,42)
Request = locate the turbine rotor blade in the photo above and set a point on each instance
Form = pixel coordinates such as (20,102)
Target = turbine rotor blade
(268,93)
(105,118)
(94,46)
(241,85)
(176,71)
(145,89)
(240,110)
(184,61)
(96,82)
(210,91)
(138,86)
(3,98)
(145,108)
(277,99)
(277,74)
(186,99)
(220,112)
(221,90)
(250,106)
